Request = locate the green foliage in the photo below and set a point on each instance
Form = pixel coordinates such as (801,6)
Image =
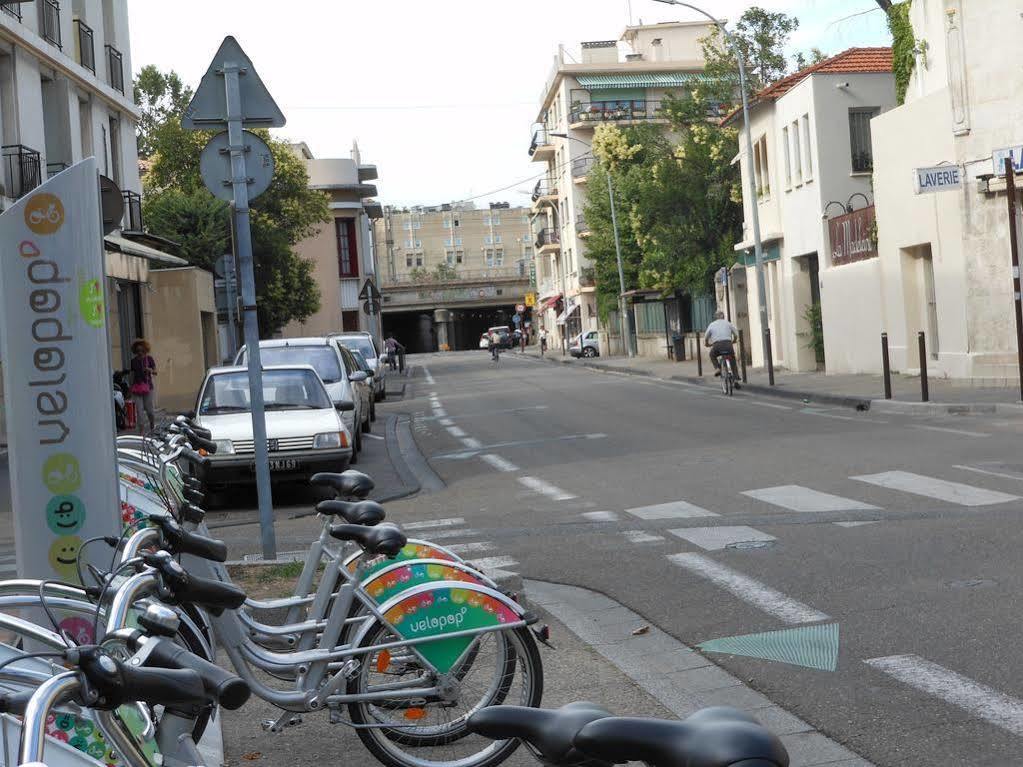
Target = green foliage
(419,274)
(804,60)
(812,315)
(445,272)
(179,207)
(761,37)
(903,46)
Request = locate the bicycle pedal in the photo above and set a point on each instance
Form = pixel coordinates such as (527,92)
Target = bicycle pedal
(288,719)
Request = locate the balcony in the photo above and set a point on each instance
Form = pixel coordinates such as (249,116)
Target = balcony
(22,170)
(132,221)
(53,168)
(581,169)
(12,9)
(542,148)
(548,240)
(49,21)
(592,113)
(582,229)
(115,68)
(545,192)
(86,49)
(424,277)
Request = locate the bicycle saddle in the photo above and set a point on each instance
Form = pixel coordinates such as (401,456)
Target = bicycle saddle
(714,737)
(549,731)
(347,483)
(366,513)
(386,539)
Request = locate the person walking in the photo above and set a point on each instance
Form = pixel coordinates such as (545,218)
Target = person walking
(391,344)
(543,340)
(143,369)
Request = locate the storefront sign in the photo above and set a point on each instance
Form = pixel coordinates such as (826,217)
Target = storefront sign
(999,156)
(940,178)
(53,339)
(853,236)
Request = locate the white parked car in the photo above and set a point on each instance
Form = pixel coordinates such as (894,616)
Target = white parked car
(363,342)
(304,429)
(585,344)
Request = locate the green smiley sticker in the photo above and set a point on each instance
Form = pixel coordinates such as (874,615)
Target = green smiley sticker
(61,474)
(90,303)
(65,514)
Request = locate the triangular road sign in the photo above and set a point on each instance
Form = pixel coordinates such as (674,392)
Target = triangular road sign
(208,108)
(808,646)
(369,291)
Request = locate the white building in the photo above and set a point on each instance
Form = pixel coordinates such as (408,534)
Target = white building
(620,82)
(812,152)
(944,257)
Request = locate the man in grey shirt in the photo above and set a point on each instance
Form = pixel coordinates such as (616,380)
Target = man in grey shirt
(721,336)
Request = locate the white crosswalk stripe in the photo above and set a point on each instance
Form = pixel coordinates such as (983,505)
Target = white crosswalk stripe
(640,536)
(804,499)
(718,538)
(459,532)
(673,510)
(463,549)
(938,489)
(427,524)
(600,516)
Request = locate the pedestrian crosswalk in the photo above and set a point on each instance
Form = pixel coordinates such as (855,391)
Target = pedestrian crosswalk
(938,489)
(805,499)
(672,510)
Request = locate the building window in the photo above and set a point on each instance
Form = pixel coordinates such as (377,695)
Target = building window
(419,259)
(762,168)
(788,157)
(486,219)
(488,240)
(499,257)
(527,252)
(808,160)
(458,241)
(859,139)
(496,220)
(497,239)
(408,261)
(455,222)
(418,224)
(447,223)
(449,256)
(489,256)
(409,244)
(459,256)
(347,249)
(797,154)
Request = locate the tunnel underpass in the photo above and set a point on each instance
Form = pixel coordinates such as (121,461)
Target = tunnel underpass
(418,330)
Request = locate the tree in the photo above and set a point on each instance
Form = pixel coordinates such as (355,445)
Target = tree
(179,207)
(761,37)
(159,96)
(804,60)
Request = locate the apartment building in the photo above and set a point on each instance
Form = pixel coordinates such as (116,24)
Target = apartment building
(452,271)
(343,251)
(813,164)
(612,81)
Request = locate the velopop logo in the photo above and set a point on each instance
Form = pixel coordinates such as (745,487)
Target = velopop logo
(440,622)
(44,213)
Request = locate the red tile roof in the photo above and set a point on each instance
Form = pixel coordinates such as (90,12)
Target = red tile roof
(851,61)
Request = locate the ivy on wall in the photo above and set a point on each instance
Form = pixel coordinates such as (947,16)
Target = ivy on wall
(903,47)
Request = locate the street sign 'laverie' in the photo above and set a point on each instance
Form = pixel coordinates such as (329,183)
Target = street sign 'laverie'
(939,178)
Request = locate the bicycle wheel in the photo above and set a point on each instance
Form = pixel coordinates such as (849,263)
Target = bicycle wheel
(730,390)
(500,667)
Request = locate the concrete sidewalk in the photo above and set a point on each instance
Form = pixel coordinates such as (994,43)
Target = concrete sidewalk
(855,391)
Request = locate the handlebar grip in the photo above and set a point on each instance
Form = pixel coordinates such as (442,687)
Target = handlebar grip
(163,687)
(194,457)
(230,691)
(197,441)
(214,595)
(199,430)
(194,496)
(191,513)
(200,546)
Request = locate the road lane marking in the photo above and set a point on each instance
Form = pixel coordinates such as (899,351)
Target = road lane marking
(673,510)
(806,500)
(857,524)
(446,422)
(372,436)
(493,563)
(538,485)
(719,538)
(461,456)
(811,411)
(939,489)
(749,590)
(429,377)
(961,432)
(463,532)
(463,416)
(429,524)
(472,442)
(641,536)
(499,463)
(758,403)
(470,548)
(989,472)
(600,516)
(455,431)
(973,697)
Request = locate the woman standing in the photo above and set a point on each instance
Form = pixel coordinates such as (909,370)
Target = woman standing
(143,368)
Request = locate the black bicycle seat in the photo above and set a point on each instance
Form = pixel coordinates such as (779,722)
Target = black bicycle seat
(366,513)
(386,539)
(714,737)
(349,483)
(549,731)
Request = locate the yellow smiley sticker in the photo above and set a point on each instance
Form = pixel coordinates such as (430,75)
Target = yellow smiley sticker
(64,556)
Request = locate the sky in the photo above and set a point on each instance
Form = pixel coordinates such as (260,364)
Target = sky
(440,95)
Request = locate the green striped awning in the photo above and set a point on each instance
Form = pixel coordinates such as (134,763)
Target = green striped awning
(642,80)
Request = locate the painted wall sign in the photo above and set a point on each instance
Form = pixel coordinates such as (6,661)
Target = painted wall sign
(999,156)
(852,236)
(60,421)
(939,178)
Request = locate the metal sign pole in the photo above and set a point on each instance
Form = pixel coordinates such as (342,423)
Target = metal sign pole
(1010,188)
(239,180)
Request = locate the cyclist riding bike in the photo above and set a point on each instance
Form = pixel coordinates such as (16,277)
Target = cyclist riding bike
(494,341)
(721,337)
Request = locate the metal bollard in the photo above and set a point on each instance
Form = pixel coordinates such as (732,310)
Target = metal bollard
(886,366)
(770,357)
(742,356)
(699,357)
(925,395)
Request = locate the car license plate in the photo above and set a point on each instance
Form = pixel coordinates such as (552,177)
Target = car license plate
(283,465)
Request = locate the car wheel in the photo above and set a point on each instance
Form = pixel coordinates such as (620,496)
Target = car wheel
(356,446)
(382,394)
(589,351)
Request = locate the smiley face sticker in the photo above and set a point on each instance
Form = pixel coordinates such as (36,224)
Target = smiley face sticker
(64,556)
(61,474)
(65,514)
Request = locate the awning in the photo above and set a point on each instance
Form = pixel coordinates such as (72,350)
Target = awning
(130,248)
(642,80)
(563,318)
(545,305)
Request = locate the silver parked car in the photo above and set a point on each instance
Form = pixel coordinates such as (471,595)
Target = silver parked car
(324,356)
(363,342)
(585,344)
(371,406)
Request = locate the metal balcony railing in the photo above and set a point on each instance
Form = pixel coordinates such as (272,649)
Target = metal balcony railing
(461,275)
(545,188)
(53,168)
(22,170)
(49,21)
(540,138)
(132,221)
(86,46)
(547,237)
(12,9)
(612,111)
(115,68)
(581,166)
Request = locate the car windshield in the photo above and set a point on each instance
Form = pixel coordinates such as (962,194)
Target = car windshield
(323,359)
(282,390)
(360,344)
(360,360)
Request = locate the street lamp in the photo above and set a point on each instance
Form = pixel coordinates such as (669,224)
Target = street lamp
(758,245)
(622,317)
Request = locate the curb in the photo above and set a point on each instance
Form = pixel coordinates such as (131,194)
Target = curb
(408,461)
(895,407)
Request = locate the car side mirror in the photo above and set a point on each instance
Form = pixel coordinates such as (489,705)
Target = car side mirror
(370,373)
(344,406)
(358,376)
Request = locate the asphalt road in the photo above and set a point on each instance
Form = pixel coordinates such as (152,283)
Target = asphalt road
(762,532)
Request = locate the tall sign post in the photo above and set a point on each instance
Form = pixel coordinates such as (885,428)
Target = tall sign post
(232,96)
(53,329)
(1010,188)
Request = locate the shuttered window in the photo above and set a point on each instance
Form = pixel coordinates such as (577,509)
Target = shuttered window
(859,139)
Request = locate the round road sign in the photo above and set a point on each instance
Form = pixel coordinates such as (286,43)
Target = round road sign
(215,166)
(520,308)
